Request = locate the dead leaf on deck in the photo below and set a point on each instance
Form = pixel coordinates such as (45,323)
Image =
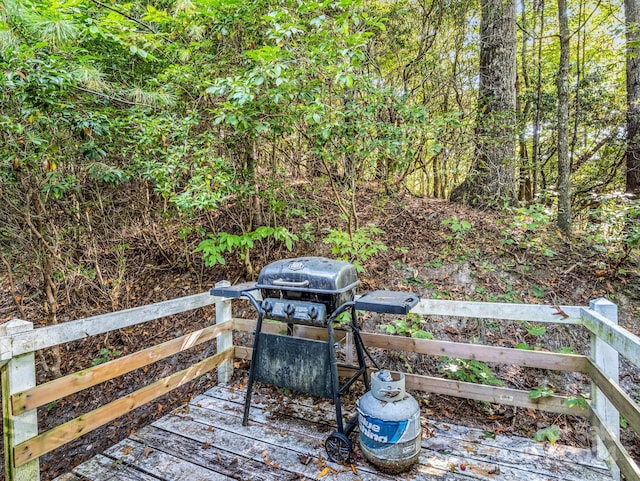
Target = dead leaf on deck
(147,452)
(494,471)
(126,450)
(304,459)
(354,469)
(323,473)
(206,446)
(264,454)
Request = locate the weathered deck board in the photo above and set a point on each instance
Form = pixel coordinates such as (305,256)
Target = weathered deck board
(161,464)
(103,468)
(206,441)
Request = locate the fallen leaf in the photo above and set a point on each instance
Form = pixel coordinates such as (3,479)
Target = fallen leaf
(354,469)
(304,459)
(126,450)
(323,473)
(147,452)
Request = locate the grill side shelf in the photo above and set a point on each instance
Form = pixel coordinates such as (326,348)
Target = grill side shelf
(233,292)
(387,302)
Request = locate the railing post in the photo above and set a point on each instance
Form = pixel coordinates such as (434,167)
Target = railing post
(17,375)
(225,340)
(606,358)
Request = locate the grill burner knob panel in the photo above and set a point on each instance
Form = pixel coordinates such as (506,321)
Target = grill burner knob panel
(299,312)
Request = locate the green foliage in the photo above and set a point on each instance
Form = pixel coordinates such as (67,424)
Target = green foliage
(410,326)
(540,392)
(536,330)
(459,228)
(105,355)
(614,225)
(527,229)
(577,401)
(550,433)
(356,248)
(468,371)
(538,291)
(216,245)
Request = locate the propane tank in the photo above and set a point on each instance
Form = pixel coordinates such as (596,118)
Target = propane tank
(389,422)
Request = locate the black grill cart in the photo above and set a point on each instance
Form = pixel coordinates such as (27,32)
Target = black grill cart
(311,291)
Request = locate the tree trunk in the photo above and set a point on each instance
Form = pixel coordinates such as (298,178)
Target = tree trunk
(492,178)
(537,124)
(632,15)
(525,192)
(564,167)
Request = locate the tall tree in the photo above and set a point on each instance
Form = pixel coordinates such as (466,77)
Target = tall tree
(492,178)
(564,161)
(632,16)
(537,121)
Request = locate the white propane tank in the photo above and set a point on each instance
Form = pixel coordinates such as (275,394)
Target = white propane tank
(389,422)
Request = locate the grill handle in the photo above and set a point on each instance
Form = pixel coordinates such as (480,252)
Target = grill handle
(282,282)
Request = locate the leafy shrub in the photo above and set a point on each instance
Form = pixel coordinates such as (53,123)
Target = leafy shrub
(216,245)
(356,248)
(468,371)
(409,326)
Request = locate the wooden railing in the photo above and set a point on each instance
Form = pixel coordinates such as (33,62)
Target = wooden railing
(21,396)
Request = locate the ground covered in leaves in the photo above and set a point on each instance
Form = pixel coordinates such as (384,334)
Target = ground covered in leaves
(433,248)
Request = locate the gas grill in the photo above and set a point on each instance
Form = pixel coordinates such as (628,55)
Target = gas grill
(311,291)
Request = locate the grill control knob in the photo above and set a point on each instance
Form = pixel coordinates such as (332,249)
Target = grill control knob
(267,306)
(313,313)
(289,309)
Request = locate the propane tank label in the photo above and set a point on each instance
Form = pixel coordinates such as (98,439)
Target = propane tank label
(376,433)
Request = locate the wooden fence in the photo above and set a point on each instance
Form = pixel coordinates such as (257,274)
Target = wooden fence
(21,396)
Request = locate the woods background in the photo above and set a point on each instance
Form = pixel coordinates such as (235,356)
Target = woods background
(211,130)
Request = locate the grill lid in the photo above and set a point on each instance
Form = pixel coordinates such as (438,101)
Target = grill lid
(309,274)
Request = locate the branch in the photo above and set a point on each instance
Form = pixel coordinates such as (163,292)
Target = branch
(133,19)
(115,99)
(12,286)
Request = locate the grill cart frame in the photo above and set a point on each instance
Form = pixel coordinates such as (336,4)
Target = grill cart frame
(311,291)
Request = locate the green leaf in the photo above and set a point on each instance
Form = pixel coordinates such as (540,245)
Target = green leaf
(420,334)
(388,328)
(551,434)
(537,330)
(578,401)
(540,392)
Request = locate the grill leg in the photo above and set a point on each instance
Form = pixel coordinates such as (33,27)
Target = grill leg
(357,340)
(247,399)
(335,388)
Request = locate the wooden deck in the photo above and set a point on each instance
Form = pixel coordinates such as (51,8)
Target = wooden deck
(205,440)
